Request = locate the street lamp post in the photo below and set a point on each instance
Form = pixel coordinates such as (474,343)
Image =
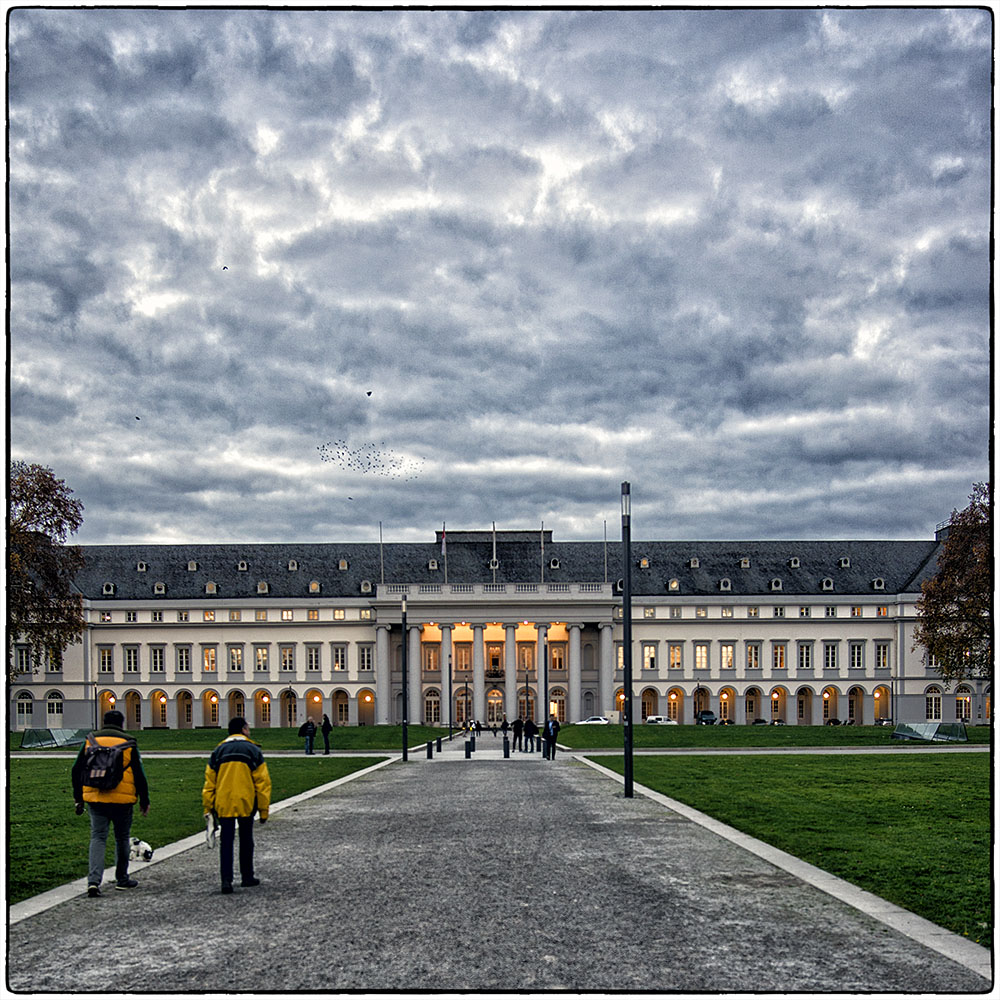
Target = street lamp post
(406,696)
(627,630)
(450,710)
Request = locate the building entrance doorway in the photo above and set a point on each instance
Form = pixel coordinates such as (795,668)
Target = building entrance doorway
(494,707)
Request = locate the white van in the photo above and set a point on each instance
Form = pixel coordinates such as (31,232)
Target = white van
(659,719)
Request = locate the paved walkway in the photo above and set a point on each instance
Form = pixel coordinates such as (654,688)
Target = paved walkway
(480,875)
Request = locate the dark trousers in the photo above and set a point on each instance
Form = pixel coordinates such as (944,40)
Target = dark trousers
(517,741)
(226,841)
(529,744)
(551,744)
(326,742)
(103,814)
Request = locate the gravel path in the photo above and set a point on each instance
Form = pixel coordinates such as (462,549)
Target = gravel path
(482,875)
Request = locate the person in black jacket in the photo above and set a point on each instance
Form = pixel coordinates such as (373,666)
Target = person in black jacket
(551,732)
(308,730)
(530,732)
(518,728)
(325,729)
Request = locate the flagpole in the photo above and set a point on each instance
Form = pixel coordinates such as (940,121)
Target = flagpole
(381,561)
(541,539)
(444,549)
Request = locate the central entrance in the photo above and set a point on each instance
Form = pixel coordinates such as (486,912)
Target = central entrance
(494,707)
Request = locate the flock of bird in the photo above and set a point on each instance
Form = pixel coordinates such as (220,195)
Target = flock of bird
(370,459)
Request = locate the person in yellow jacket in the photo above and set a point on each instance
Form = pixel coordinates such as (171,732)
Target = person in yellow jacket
(237,785)
(112,806)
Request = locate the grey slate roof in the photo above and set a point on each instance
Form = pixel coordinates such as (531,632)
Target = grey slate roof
(900,564)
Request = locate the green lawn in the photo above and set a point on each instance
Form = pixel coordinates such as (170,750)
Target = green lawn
(610,737)
(355,738)
(913,828)
(47,841)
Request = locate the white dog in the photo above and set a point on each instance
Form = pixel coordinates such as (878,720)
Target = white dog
(140,851)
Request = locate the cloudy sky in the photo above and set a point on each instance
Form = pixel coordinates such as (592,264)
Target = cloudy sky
(281,276)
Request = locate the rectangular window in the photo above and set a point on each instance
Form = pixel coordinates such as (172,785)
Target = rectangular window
(430,656)
(208,659)
(236,659)
(340,657)
(701,656)
(182,616)
(857,660)
(365,614)
(830,611)
(649,612)
(648,656)
(932,710)
(753,612)
(620,656)
(313,614)
(22,659)
(463,656)
(339,614)
(157,660)
(366,658)
(882,611)
(805,612)
(778,656)
(261,661)
(105,660)
(701,612)
(856,611)
(287,615)
(235,615)
(675,656)
(830,656)
(727,612)
(676,612)
(805,656)
(727,656)
(313,657)
(105,616)
(183,659)
(260,615)
(287,657)
(753,656)
(156,616)
(779,612)
(557,657)
(208,616)
(131,616)
(881,655)
(525,657)
(131,659)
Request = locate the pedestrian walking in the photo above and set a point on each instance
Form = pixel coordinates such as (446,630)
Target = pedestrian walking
(110,806)
(308,730)
(237,786)
(551,732)
(325,729)
(518,728)
(504,726)
(479,728)
(530,732)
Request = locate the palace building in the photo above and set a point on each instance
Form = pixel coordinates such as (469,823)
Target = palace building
(497,623)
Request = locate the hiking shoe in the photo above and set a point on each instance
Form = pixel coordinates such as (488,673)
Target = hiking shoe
(248,882)
(94,891)
(227,888)
(129,883)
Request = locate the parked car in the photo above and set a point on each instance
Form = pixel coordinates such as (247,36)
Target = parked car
(594,720)
(760,722)
(661,720)
(706,717)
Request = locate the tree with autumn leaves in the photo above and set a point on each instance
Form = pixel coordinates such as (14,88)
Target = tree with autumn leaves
(956,604)
(44,611)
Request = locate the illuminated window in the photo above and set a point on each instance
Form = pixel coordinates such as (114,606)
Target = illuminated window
(260,615)
(430,653)
(856,612)
(287,615)
(881,655)
(105,616)
(727,654)
(675,654)
(648,656)
(882,611)
(778,652)
(235,615)
(727,612)
(314,614)
(649,612)
(701,656)
(236,659)
(701,612)
(339,657)
(287,657)
(261,660)
(805,612)
(753,612)
(208,659)
(753,656)
(208,616)
(338,614)
(365,614)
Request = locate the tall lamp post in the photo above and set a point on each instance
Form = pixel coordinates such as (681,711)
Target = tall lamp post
(406,696)
(450,702)
(627,629)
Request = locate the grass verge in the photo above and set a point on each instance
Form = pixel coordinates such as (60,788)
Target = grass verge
(913,829)
(729,737)
(47,842)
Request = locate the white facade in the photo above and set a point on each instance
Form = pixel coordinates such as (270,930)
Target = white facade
(220,640)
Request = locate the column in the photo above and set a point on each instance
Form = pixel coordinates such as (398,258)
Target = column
(478,674)
(575,666)
(606,670)
(541,655)
(510,672)
(447,712)
(172,714)
(415,676)
(197,711)
(383,689)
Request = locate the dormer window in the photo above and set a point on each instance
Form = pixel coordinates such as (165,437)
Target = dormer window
(693,563)
(262,587)
(192,566)
(845,562)
(553,564)
(342,565)
(644,562)
(745,563)
(366,586)
(432,564)
(314,586)
(242,566)
(211,588)
(878,583)
(827,584)
(776,584)
(159,588)
(140,567)
(292,565)
(108,589)
(674,585)
(725,584)
(494,563)
(794,563)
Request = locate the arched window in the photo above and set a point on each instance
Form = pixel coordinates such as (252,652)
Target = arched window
(963,704)
(932,704)
(24,710)
(432,708)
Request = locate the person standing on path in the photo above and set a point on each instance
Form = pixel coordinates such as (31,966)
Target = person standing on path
(308,730)
(530,732)
(504,727)
(112,806)
(518,728)
(325,729)
(237,785)
(551,732)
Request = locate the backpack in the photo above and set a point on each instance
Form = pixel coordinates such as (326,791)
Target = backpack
(104,767)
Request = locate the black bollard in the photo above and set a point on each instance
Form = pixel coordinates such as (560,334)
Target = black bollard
(472,742)
(430,750)
(468,751)
(545,749)
(506,748)
(439,744)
